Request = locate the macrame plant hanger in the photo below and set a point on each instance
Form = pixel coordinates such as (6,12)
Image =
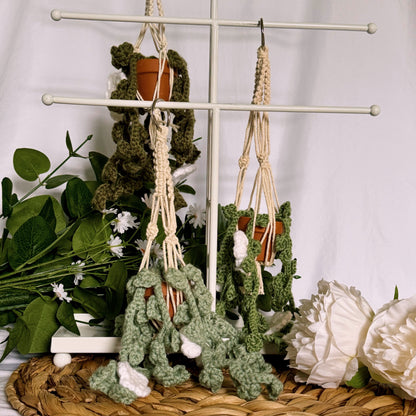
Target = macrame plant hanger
(157,31)
(258,131)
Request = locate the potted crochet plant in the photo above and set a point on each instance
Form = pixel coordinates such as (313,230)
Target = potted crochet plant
(252,241)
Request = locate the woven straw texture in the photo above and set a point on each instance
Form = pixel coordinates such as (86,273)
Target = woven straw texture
(39,388)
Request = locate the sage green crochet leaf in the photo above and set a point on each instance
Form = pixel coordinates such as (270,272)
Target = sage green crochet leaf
(152,311)
(211,378)
(177,279)
(182,315)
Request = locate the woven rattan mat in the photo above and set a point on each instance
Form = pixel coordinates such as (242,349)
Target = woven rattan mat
(39,388)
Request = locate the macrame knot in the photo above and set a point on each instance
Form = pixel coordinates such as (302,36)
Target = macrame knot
(152,231)
(171,239)
(263,161)
(262,52)
(243,161)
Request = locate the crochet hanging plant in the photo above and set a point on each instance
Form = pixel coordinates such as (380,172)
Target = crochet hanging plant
(151,331)
(130,167)
(245,285)
(240,284)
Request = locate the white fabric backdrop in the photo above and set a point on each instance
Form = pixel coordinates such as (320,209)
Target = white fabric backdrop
(350,178)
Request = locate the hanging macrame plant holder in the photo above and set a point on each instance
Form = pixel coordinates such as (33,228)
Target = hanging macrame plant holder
(169,311)
(131,168)
(155,77)
(254,240)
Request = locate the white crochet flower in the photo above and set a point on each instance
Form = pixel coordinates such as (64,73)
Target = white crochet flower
(390,347)
(183,172)
(240,247)
(59,291)
(78,274)
(325,341)
(190,349)
(123,222)
(133,380)
(115,246)
(198,216)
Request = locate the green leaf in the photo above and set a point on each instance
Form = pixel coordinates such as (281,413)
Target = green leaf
(92,303)
(30,240)
(58,180)
(361,378)
(186,189)
(78,198)
(7,317)
(6,194)
(30,163)
(115,288)
(65,316)
(48,214)
(90,238)
(396,293)
(90,282)
(17,333)
(97,161)
(40,320)
(32,207)
(69,143)
(14,300)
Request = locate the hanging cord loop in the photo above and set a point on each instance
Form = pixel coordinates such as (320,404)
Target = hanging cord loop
(157,31)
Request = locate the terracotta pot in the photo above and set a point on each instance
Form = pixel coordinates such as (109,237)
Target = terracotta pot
(147,72)
(267,253)
(149,292)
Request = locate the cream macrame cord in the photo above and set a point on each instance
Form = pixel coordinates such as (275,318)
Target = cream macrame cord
(157,31)
(258,129)
(163,204)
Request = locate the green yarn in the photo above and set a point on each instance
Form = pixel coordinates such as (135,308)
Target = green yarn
(131,165)
(146,348)
(240,286)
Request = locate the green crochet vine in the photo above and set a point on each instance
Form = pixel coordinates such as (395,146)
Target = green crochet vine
(131,165)
(240,285)
(195,330)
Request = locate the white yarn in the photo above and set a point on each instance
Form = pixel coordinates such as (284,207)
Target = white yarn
(240,247)
(190,349)
(133,380)
(183,172)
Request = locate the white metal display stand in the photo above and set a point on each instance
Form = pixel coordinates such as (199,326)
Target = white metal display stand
(95,341)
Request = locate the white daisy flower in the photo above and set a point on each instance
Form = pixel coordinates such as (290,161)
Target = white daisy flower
(148,200)
(198,216)
(78,275)
(109,211)
(123,222)
(59,291)
(115,246)
(156,251)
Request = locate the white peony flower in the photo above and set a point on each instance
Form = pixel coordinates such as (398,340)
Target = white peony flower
(59,291)
(123,222)
(115,246)
(240,247)
(326,339)
(78,271)
(198,216)
(390,347)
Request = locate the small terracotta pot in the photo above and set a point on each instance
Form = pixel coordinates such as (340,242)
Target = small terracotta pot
(267,252)
(149,292)
(147,72)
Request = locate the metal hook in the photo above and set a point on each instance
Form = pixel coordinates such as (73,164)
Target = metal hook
(261,24)
(152,111)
